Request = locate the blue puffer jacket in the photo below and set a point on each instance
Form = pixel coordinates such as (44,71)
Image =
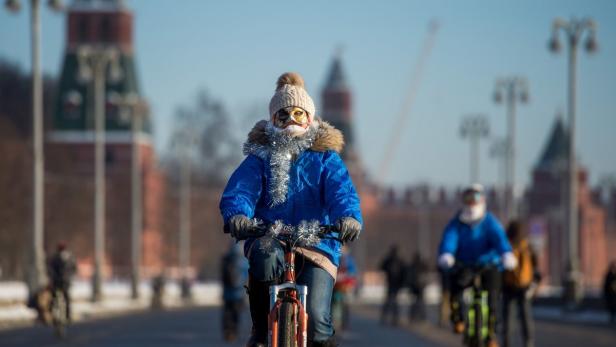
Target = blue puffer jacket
(318,188)
(479,244)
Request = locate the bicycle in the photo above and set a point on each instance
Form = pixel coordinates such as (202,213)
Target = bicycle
(478,315)
(58,309)
(288,319)
(477,330)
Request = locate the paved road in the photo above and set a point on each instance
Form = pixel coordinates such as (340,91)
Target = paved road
(548,332)
(186,327)
(201,327)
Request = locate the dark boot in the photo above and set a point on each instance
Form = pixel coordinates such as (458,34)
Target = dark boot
(331,342)
(258,295)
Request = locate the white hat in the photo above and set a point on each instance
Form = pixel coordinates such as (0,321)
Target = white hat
(290,92)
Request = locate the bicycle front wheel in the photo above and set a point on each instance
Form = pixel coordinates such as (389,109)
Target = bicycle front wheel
(479,322)
(287,325)
(58,311)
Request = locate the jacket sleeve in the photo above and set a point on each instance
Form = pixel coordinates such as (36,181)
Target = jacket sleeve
(341,199)
(243,189)
(449,242)
(497,236)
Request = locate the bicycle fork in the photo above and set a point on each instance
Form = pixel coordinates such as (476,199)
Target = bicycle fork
(479,307)
(291,292)
(296,294)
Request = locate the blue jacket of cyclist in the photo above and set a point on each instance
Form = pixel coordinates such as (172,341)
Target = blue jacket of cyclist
(292,173)
(475,237)
(481,243)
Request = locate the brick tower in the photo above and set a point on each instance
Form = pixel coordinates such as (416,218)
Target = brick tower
(545,199)
(337,109)
(70,145)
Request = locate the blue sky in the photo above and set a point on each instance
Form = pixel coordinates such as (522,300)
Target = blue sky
(236,51)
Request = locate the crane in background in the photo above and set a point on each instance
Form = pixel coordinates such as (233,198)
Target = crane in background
(403,116)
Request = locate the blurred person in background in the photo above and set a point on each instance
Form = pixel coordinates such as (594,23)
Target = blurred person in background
(186,284)
(568,279)
(234,273)
(40,300)
(417,280)
(61,267)
(609,291)
(444,306)
(158,290)
(518,284)
(476,241)
(346,280)
(394,268)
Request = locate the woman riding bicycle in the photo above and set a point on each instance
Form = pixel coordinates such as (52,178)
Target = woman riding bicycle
(292,173)
(476,241)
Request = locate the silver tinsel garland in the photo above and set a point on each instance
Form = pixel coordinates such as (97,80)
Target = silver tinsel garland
(280,151)
(306,234)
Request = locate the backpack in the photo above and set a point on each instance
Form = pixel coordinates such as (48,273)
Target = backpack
(522,275)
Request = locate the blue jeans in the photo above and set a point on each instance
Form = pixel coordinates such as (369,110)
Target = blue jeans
(268,265)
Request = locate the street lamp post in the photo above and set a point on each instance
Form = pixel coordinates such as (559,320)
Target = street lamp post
(185,215)
(135,109)
(474,128)
(136,201)
(514,89)
(574,31)
(94,61)
(499,151)
(36,276)
(421,199)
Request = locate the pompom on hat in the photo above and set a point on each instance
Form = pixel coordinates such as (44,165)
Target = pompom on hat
(290,91)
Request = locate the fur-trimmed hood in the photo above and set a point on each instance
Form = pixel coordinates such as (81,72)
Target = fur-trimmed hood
(326,138)
(280,150)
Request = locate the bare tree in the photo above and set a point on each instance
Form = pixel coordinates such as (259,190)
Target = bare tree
(205,130)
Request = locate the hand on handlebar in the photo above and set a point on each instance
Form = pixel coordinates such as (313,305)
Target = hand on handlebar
(446,261)
(349,229)
(240,227)
(510,262)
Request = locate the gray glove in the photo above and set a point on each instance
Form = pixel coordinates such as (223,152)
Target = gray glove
(349,228)
(240,226)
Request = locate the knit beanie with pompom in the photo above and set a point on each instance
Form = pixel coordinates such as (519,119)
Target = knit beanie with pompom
(290,92)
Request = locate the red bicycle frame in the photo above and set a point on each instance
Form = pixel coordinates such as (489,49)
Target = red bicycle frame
(289,291)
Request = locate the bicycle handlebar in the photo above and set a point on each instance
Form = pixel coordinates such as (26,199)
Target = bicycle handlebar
(261,229)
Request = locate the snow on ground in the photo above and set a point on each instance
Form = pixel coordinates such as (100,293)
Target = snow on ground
(117,299)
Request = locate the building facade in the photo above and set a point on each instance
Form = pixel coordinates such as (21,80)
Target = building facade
(96,25)
(545,201)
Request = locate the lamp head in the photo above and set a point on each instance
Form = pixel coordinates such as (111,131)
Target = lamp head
(554,44)
(591,43)
(56,5)
(13,5)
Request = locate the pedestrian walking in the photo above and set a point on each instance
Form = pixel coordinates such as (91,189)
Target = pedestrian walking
(609,291)
(234,273)
(394,267)
(61,267)
(517,285)
(417,280)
